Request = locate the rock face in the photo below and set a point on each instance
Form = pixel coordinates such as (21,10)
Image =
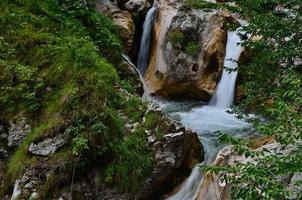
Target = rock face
(138,6)
(190,61)
(27,185)
(17,132)
(48,146)
(124,22)
(175,155)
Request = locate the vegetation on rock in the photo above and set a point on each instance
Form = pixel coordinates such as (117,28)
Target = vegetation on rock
(57,70)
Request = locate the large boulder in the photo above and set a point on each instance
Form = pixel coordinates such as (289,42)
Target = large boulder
(138,6)
(124,21)
(176,153)
(188,53)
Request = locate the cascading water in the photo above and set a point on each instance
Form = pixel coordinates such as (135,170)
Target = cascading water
(224,94)
(208,120)
(144,55)
(146,94)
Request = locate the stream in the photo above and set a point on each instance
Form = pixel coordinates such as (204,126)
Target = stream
(207,120)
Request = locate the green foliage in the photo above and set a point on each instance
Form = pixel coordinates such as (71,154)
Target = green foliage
(56,70)
(79,144)
(181,41)
(19,88)
(104,138)
(134,161)
(176,36)
(273,83)
(192,48)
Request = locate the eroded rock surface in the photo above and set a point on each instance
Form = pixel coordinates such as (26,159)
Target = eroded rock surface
(17,132)
(138,6)
(191,60)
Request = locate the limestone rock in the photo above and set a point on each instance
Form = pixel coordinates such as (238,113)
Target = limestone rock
(175,155)
(187,61)
(48,146)
(138,6)
(17,132)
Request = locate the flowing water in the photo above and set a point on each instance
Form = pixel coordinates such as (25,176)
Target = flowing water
(146,94)
(206,120)
(223,97)
(209,120)
(144,55)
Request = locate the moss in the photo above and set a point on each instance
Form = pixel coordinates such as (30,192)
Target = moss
(176,36)
(192,48)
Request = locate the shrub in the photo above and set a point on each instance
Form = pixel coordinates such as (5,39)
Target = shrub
(192,48)
(176,36)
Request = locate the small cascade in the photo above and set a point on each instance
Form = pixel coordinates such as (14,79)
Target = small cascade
(144,51)
(146,94)
(207,120)
(224,94)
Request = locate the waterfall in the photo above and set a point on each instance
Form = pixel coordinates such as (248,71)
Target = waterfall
(224,94)
(207,120)
(143,56)
(146,94)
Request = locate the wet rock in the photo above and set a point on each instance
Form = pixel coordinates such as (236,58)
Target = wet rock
(138,6)
(48,146)
(17,132)
(123,20)
(188,59)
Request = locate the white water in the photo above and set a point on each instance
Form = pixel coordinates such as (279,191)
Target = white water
(144,55)
(146,94)
(208,120)
(224,95)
